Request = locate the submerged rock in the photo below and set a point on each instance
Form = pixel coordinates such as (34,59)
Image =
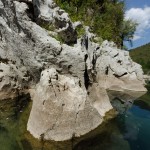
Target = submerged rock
(71,86)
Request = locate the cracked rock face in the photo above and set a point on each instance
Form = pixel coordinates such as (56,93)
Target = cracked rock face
(72,87)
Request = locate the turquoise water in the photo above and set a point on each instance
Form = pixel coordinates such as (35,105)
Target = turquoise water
(136,129)
(128,131)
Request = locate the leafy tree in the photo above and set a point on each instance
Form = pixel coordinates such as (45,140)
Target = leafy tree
(127,31)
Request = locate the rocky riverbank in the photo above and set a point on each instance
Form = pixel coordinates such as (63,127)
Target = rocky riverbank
(72,83)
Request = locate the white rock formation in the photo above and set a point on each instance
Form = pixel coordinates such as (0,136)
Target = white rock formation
(48,12)
(71,86)
(71,107)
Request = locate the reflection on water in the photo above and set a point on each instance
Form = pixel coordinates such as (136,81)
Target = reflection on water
(110,139)
(129,131)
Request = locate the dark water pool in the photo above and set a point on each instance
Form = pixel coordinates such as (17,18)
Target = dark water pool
(129,131)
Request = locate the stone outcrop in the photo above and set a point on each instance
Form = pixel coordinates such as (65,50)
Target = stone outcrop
(72,87)
(76,102)
(47,12)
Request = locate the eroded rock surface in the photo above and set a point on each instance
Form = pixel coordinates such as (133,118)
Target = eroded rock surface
(71,86)
(47,12)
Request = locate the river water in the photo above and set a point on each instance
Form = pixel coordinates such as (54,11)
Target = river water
(128,131)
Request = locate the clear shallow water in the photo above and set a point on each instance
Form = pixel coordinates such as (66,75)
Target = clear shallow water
(135,127)
(129,131)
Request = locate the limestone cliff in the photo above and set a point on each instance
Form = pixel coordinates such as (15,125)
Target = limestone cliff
(71,86)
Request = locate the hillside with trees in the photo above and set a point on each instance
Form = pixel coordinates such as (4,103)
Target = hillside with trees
(141,55)
(104,17)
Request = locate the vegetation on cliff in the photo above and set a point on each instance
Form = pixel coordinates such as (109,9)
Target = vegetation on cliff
(105,18)
(141,55)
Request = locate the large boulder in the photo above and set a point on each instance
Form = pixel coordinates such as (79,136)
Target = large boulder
(62,108)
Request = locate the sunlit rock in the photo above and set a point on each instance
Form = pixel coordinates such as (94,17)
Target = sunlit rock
(72,87)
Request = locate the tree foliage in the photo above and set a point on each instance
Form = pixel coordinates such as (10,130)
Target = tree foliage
(105,18)
(127,31)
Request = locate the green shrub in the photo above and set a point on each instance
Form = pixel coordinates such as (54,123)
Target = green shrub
(104,17)
(49,27)
(80,31)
